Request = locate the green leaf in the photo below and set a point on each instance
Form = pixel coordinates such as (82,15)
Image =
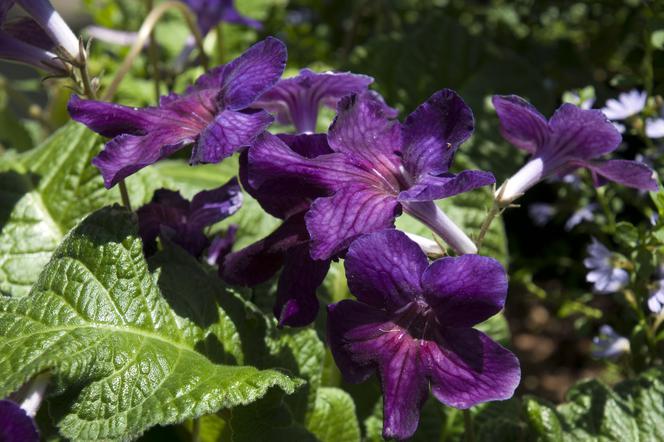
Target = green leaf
(626,234)
(333,418)
(543,420)
(124,359)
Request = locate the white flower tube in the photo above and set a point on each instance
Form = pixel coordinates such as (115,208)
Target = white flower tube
(53,24)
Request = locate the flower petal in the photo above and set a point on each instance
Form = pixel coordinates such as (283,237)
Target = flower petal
(110,119)
(127,154)
(247,77)
(354,333)
(625,172)
(430,188)
(297,304)
(384,269)
(465,290)
(363,131)
(466,367)
(434,131)
(229,132)
(521,123)
(28,31)
(167,208)
(211,206)
(15,424)
(334,222)
(582,133)
(259,261)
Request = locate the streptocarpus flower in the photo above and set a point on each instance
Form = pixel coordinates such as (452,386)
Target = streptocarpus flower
(377,168)
(571,139)
(628,104)
(212,115)
(605,276)
(609,344)
(15,424)
(171,216)
(209,13)
(297,100)
(287,247)
(412,325)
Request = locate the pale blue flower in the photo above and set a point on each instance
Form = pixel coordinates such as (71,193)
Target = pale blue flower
(655,128)
(609,344)
(541,213)
(628,104)
(605,276)
(586,213)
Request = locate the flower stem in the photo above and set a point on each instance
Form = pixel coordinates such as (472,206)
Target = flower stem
(610,217)
(498,207)
(468,426)
(154,58)
(144,34)
(124,194)
(220,44)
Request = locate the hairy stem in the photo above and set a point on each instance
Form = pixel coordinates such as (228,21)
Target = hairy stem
(144,34)
(468,426)
(154,57)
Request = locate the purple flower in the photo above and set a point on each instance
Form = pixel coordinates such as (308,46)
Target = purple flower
(221,246)
(182,222)
(210,13)
(609,344)
(24,41)
(297,100)
(571,139)
(377,168)
(15,424)
(288,198)
(412,324)
(212,115)
(605,276)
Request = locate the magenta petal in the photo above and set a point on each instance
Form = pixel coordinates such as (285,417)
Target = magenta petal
(385,268)
(625,172)
(110,119)
(434,131)
(297,304)
(257,262)
(354,333)
(466,367)
(211,206)
(15,424)
(430,188)
(363,131)
(334,222)
(465,290)
(520,123)
(229,132)
(582,133)
(127,154)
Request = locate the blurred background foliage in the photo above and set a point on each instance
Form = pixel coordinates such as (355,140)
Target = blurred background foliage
(538,49)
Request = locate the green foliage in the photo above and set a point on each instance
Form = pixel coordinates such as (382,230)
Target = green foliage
(96,319)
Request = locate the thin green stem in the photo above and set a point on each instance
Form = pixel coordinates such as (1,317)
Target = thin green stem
(610,216)
(496,210)
(87,81)
(220,44)
(144,34)
(124,194)
(154,58)
(196,430)
(448,423)
(468,426)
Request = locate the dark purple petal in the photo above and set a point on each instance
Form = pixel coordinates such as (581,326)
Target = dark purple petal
(260,261)
(466,367)
(167,208)
(297,100)
(221,246)
(334,222)
(625,172)
(465,290)
(5,6)
(433,133)
(283,196)
(110,119)
(229,132)
(430,188)
(210,13)
(247,77)
(354,333)
(231,15)
(211,206)
(28,31)
(15,424)
(51,22)
(520,123)
(297,304)
(127,154)
(20,52)
(364,132)
(582,133)
(384,269)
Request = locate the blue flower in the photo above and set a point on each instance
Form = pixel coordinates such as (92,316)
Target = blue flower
(605,276)
(609,344)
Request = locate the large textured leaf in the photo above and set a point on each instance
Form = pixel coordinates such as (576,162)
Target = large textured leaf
(97,320)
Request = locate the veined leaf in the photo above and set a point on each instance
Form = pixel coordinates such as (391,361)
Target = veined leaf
(97,321)
(333,418)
